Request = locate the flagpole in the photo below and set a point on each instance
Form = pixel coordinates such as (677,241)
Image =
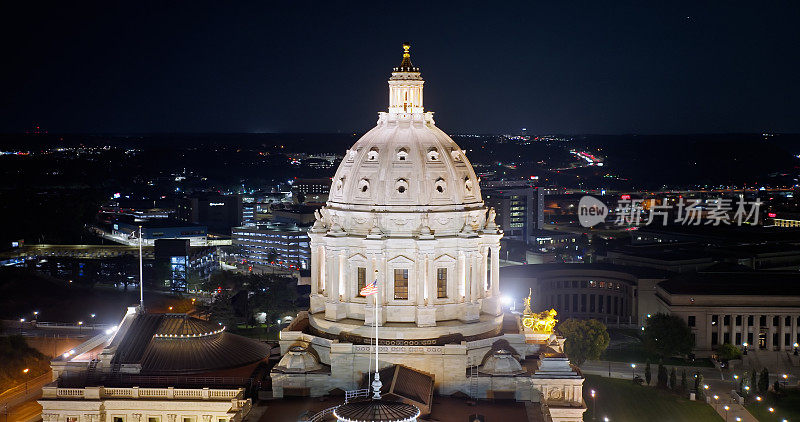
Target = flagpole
(376,384)
(141,277)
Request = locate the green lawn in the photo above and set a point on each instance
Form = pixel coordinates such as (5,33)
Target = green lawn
(260,332)
(622,400)
(786,407)
(635,353)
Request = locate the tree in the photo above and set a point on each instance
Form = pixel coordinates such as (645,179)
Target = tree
(647,375)
(700,392)
(728,352)
(585,339)
(662,376)
(684,383)
(763,381)
(667,335)
(673,379)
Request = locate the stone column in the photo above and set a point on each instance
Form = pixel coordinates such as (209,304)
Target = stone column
(484,269)
(315,270)
(496,271)
(331,282)
(745,329)
(431,281)
(770,332)
(709,330)
(323,265)
(782,332)
(421,278)
(475,273)
(732,328)
(793,340)
(467,277)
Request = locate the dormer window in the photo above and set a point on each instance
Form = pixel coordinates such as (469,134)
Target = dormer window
(372,155)
(363,185)
(440,185)
(433,154)
(402,186)
(402,154)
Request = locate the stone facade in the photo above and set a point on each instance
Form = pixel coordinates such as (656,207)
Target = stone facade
(98,404)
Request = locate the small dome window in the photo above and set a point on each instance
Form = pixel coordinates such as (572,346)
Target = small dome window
(402,154)
(402,186)
(468,184)
(372,155)
(340,184)
(363,185)
(440,185)
(456,154)
(433,154)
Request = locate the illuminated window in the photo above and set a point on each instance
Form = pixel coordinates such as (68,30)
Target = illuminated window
(441,283)
(361,276)
(401,284)
(72,419)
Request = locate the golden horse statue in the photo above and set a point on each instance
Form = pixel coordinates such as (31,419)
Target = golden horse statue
(541,323)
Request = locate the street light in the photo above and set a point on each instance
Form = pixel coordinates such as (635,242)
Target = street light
(80,326)
(785,379)
(795,348)
(726,407)
(594,404)
(25,371)
(633,370)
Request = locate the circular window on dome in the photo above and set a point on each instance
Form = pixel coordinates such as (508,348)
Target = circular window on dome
(440,185)
(401,186)
(468,185)
(433,154)
(402,154)
(363,186)
(372,155)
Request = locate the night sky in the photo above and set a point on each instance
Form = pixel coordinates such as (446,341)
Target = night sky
(295,66)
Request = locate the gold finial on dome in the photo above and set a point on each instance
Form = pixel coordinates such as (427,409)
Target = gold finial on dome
(406,65)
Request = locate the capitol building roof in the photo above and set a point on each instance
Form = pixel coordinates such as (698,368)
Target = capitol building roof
(405,163)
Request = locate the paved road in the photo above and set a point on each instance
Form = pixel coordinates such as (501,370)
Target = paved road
(25,412)
(17,395)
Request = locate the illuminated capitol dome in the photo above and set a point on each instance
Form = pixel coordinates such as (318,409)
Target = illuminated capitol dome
(405,202)
(405,209)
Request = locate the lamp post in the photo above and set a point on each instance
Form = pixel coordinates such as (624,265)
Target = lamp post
(726,407)
(21,322)
(594,404)
(80,326)
(795,348)
(744,348)
(733,381)
(25,371)
(633,370)
(785,379)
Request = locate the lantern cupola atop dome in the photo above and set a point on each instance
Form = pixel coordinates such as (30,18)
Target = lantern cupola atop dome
(405,86)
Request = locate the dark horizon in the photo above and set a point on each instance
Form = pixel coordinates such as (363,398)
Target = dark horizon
(579,68)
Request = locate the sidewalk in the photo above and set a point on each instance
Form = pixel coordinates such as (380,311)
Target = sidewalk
(734,411)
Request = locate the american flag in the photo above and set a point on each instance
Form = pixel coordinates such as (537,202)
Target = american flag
(370,289)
